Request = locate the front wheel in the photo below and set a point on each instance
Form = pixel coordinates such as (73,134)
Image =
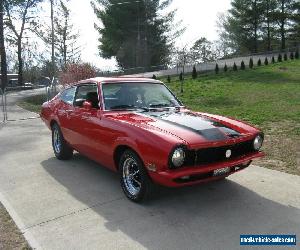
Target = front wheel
(135,181)
(61,149)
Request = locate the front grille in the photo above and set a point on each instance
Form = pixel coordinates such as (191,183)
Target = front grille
(217,154)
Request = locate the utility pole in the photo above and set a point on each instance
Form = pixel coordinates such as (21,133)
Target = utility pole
(138,47)
(2,48)
(52,39)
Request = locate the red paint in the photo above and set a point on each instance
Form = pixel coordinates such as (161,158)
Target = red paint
(97,133)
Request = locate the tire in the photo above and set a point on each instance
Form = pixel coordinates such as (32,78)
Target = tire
(135,182)
(61,149)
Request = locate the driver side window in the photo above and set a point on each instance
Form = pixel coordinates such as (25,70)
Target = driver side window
(87,93)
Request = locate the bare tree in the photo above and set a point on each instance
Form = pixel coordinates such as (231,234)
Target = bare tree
(19,16)
(61,36)
(2,48)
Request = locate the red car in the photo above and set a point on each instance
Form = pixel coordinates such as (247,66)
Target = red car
(138,127)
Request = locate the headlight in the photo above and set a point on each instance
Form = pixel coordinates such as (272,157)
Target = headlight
(178,157)
(257,143)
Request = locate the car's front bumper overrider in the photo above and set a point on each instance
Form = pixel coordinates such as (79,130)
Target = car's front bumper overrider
(204,173)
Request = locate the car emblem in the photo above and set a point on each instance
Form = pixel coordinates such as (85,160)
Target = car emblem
(228,153)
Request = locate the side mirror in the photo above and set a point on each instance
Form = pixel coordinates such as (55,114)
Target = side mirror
(87,105)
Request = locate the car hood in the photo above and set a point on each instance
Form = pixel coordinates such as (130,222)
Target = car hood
(192,127)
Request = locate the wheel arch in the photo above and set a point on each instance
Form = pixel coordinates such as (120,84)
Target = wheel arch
(52,122)
(119,150)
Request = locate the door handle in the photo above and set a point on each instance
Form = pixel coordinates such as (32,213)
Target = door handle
(69,111)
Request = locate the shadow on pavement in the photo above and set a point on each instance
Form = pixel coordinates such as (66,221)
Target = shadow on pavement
(210,216)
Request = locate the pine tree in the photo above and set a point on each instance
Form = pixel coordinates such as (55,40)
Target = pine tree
(273,59)
(169,79)
(251,63)
(225,68)
(259,62)
(154,77)
(194,73)
(243,67)
(243,23)
(292,56)
(279,58)
(297,54)
(234,67)
(266,61)
(135,32)
(285,57)
(217,68)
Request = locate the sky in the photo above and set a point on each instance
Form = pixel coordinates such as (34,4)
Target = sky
(198,16)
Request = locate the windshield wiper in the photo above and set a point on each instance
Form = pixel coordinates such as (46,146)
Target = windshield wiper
(121,107)
(129,107)
(159,105)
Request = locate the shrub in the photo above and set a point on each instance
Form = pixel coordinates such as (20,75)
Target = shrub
(169,79)
(234,67)
(251,63)
(75,72)
(194,73)
(297,54)
(217,68)
(273,59)
(259,62)
(292,56)
(154,77)
(181,77)
(225,68)
(243,67)
(285,57)
(279,58)
(266,61)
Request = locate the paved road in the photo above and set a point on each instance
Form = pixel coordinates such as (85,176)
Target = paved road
(77,204)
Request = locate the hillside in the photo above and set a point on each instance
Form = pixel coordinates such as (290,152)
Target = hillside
(266,96)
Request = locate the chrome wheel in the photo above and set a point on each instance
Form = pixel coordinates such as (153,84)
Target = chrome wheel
(56,141)
(131,176)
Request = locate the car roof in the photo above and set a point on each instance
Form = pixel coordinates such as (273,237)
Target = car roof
(118,79)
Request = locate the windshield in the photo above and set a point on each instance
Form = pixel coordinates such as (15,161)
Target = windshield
(136,95)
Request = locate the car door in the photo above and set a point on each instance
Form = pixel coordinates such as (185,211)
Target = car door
(64,112)
(85,122)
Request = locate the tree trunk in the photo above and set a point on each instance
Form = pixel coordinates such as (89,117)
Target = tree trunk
(282,25)
(2,48)
(20,62)
(268,26)
(255,26)
(52,40)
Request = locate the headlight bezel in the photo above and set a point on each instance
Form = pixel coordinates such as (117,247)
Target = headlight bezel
(181,163)
(258,141)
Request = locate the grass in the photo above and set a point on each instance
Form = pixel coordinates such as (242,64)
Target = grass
(266,96)
(33,103)
(10,235)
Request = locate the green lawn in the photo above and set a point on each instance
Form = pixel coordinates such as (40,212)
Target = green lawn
(33,103)
(266,96)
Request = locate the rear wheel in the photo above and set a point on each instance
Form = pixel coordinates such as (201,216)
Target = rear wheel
(135,181)
(61,149)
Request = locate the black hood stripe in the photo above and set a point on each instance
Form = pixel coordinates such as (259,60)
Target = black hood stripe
(207,128)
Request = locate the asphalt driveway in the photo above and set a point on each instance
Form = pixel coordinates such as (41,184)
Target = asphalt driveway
(78,204)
